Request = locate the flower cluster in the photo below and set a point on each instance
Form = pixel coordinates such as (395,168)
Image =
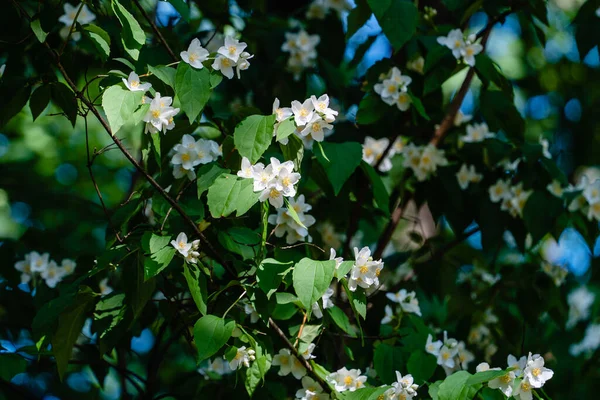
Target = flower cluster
(275,181)
(407,303)
(311,390)
(344,379)
(326,299)
(230,55)
(374,150)
(218,367)
(580,301)
(302,49)
(134,84)
(190,153)
(365,271)
(288,363)
(461,46)
(403,388)
(160,115)
(312,118)
(526,374)
(68,18)
(318,9)
(451,354)
(480,334)
(477,133)
(286,225)
(467,175)
(243,357)
(588,201)
(49,270)
(512,198)
(393,89)
(423,160)
(188,250)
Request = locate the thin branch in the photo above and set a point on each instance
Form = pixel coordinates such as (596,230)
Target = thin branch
(71,28)
(159,35)
(301,329)
(299,356)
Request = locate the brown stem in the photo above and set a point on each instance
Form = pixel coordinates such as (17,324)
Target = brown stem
(301,329)
(299,356)
(159,35)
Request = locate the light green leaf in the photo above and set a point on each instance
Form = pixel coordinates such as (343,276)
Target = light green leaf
(485,376)
(164,73)
(344,158)
(454,387)
(192,87)
(36,27)
(158,261)
(229,193)
(270,273)
(358,301)
(285,128)
(253,136)
(398,19)
(133,36)
(246,198)
(256,373)
(197,284)
(210,334)
(119,105)
(151,243)
(292,213)
(100,38)
(343,269)
(311,279)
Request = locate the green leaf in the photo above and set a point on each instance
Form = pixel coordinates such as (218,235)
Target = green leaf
(370,109)
(253,136)
(70,323)
(229,193)
(151,243)
(491,220)
(398,19)
(291,211)
(418,105)
(64,98)
(12,100)
(358,16)
(210,334)
(207,174)
(500,113)
(487,71)
(193,89)
(386,360)
(455,387)
(485,376)
(36,27)
(380,193)
(311,279)
(158,261)
(138,289)
(341,320)
(182,8)
(39,100)
(133,36)
(366,393)
(119,105)
(164,73)
(256,373)
(344,158)
(293,151)
(11,364)
(270,274)
(343,269)
(539,214)
(100,38)
(285,128)
(197,284)
(110,320)
(421,366)
(358,301)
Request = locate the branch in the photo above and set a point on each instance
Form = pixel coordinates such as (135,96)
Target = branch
(299,356)
(156,31)
(128,155)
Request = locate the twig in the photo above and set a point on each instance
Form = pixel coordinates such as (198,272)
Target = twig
(301,329)
(299,356)
(156,31)
(71,28)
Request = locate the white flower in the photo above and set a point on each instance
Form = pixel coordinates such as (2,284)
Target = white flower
(407,300)
(403,101)
(482,367)
(504,383)
(389,90)
(477,133)
(403,389)
(68,266)
(181,244)
(365,271)
(53,274)
(373,150)
(555,188)
(303,112)
(592,192)
(24,267)
(321,105)
(307,354)
(446,356)
(262,176)
(345,379)
(433,347)
(464,355)
(195,54)
(466,175)
(246,170)
(518,365)
(133,83)
(311,390)
(590,342)
(281,113)
(85,15)
(315,127)
(317,10)
(232,49)
(225,65)
(288,363)
(185,156)
(249,310)
(523,390)
(545,147)
(206,150)
(535,372)
(403,81)
(500,191)
(332,256)
(243,63)
(39,262)
(389,315)
(160,114)
(179,172)
(417,65)
(285,182)
(580,301)
(274,196)
(461,118)
(469,51)
(338,5)
(105,288)
(242,357)
(454,41)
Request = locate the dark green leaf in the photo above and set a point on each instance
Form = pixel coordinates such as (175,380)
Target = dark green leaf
(311,279)
(357,17)
(539,214)
(386,360)
(210,334)
(370,109)
(380,193)
(341,320)
(343,159)
(270,273)
(100,38)
(39,100)
(64,98)
(421,366)
(398,19)
(197,284)
(11,364)
(207,174)
(165,74)
(193,89)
